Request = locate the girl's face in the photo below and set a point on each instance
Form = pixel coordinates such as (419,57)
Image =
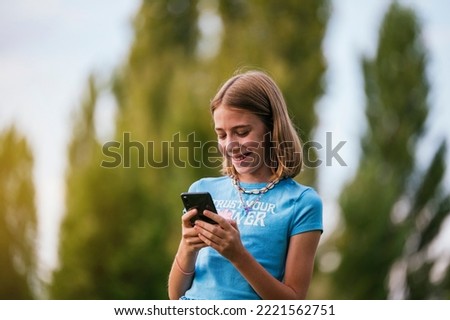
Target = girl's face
(240,134)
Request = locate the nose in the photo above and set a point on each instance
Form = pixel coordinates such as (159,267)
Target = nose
(228,143)
(233,148)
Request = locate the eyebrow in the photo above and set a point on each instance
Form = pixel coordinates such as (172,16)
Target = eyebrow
(242,126)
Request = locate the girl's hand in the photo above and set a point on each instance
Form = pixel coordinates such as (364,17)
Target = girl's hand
(224,236)
(189,235)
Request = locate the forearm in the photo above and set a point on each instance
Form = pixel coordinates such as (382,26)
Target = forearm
(181,273)
(298,270)
(265,285)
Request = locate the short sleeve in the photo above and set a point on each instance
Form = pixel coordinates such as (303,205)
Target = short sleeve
(195,186)
(308,213)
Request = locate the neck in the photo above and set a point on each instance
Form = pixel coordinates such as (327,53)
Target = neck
(261,178)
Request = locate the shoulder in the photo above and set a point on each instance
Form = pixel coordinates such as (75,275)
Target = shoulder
(207,183)
(305,199)
(300,191)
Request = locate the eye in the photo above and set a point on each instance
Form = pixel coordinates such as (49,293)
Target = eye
(221,136)
(242,133)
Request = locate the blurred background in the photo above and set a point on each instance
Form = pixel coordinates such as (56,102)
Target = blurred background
(367,79)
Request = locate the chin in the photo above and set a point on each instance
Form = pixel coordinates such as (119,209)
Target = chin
(246,171)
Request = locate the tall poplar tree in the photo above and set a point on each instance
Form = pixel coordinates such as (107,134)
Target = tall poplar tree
(81,262)
(285,39)
(17,218)
(110,246)
(377,230)
(117,237)
(429,206)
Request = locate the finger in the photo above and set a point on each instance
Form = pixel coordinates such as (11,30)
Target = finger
(233,223)
(195,241)
(208,242)
(213,235)
(221,221)
(190,233)
(186,218)
(192,239)
(215,229)
(200,246)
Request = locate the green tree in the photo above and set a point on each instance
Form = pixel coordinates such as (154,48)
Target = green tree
(429,206)
(163,103)
(79,227)
(284,39)
(17,218)
(376,230)
(110,245)
(118,231)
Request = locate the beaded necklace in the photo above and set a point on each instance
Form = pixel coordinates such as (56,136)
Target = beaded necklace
(260,192)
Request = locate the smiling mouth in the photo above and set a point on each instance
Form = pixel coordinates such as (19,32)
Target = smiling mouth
(240,156)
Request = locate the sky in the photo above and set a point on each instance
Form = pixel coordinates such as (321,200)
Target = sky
(48,49)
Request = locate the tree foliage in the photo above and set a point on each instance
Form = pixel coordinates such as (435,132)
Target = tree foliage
(389,204)
(17,218)
(284,39)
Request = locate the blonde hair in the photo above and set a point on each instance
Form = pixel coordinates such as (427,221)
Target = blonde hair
(257,93)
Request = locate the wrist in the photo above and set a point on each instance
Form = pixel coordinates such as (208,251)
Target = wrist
(186,251)
(241,258)
(182,269)
(185,260)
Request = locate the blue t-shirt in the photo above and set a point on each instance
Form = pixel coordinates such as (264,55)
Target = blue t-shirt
(288,209)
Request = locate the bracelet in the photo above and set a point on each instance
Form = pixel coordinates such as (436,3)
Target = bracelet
(181,269)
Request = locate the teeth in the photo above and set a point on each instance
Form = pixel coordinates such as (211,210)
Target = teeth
(240,157)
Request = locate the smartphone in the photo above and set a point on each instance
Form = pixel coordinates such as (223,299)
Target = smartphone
(201,201)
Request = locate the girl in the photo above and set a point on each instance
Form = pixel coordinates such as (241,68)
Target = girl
(268,227)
